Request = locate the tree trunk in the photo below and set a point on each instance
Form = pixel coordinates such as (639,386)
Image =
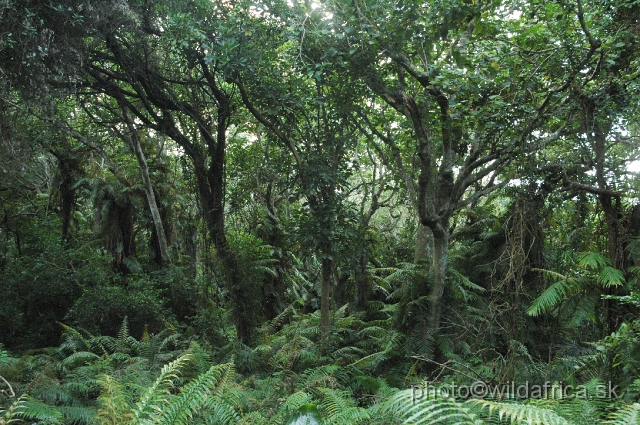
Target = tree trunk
(190,237)
(440,257)
(612,216)
(325,299)
(361,289)
(151,198)
(424,244)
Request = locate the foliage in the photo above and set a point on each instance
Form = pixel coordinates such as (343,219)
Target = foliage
(269,211)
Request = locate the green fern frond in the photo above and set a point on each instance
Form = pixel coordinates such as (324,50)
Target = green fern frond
(371,361)
(628,415)
(407,273)
(115,409)
(306,415)
(253,418)
(339,408)
(74,341)
(79,358)
(433,408)
(610,276)
(593,260)
(347,353)
(195,395)
(322,376)
(462,286)
(553,295)
(222,413)
(158,393)
(292,404)
(28,408)
(124,342)
(78,414)
(522,413)
(278,321)
(106,343)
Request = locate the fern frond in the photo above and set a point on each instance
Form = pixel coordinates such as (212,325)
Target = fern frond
(306,415)
(433,408)
(78,415)
(158,393)
(339,408)
(463,287)
(295,401)
(74,341)
(278,321)
(593,260)
(114,410)
(553,295)
(194,396)
(610,276)
(79,358)
(28,408)
(628,415)
(522,413)
(317,377)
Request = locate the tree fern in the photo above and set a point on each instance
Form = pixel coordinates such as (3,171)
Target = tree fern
(554,294)
(593,270)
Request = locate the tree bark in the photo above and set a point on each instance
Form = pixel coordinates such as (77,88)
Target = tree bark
(325,308)
(151,197)
(440,258)
(361,289)
(424,244)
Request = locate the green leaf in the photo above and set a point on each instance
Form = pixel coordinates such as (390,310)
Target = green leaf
(593,260)
(306,415)
(610,276)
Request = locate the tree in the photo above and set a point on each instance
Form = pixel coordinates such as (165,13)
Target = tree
(153,61)
(309,113)
(454,76)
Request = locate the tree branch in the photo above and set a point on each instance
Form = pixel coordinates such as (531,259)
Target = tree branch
(267,123)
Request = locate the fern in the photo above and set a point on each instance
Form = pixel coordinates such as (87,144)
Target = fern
(438,407)
(629,415)
(339,408)
(115,409)
(79,358)
(26,408)
(610,276)
(554,294)
(522,413)
(306,415)
(158,393)
(211,393)
(435,408)
(199,393)
(295,401)
(594,271)
(592,260)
